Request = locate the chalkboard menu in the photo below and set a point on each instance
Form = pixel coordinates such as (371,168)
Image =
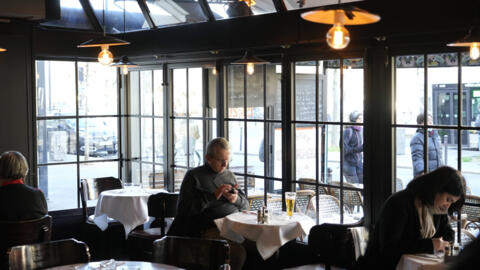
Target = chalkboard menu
(305,97)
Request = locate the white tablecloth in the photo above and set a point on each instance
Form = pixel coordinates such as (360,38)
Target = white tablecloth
(420,262)
(128,206)
(268,237)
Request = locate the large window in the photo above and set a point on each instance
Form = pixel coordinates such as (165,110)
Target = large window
(76,126)
(328,138)
(193,96)
(146,128)
(430,85)
(253,121)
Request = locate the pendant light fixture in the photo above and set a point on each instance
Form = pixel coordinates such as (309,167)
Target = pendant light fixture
(124,63)
(105,57)
(250,60)
(338,36)
(472,40)
(3,49)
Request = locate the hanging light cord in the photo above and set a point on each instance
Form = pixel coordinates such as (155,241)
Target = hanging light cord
(103,17)
(124,27)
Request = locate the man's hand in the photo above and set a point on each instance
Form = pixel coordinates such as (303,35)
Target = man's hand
(230,193)
(222,189)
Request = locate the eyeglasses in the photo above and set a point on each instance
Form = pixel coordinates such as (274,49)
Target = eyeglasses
(222,161)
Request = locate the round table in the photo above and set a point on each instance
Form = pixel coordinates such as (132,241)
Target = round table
(128,206)
(268,237)
(130,265)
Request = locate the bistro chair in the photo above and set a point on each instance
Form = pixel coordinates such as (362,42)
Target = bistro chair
(48,254)
(352,199)
(163,207)
(14,233)
(304,186)
(303,201)
(255,202)
(192,253)
(466,236)
(472,211)
(328,207)
(101,243)
(275,204)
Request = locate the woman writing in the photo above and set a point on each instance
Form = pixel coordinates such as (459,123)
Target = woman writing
(415,220)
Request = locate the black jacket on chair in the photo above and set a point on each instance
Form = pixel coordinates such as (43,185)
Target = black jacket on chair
(21,202)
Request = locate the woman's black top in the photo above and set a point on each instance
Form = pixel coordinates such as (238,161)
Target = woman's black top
(397,232)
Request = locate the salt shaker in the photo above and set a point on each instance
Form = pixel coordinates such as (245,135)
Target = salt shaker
(259,216)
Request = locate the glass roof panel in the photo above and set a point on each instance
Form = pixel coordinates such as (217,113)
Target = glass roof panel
(168,12)
(72,16)
(225,9)
(299,4)
(114,15)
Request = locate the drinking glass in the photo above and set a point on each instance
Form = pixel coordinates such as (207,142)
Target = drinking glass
(290,201)
(131,187)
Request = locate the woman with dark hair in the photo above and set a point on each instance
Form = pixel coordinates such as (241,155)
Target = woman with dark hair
(415,220)
(352,150)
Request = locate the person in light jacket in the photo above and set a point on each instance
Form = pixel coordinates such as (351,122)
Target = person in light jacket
(434,148)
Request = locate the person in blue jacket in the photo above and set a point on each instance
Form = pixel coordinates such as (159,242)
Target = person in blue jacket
(352,150)
(434,147)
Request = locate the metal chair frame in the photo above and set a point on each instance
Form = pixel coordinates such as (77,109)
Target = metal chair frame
(48,254)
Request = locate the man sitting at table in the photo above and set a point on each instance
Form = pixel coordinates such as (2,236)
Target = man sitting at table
(209,192)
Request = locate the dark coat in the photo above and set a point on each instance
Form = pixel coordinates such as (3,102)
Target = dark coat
(397,232)
(435,159)
(197,204)
(352,154)
(352,146)
(21,202)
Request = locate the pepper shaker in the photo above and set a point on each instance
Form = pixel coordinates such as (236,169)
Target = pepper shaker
(266,217)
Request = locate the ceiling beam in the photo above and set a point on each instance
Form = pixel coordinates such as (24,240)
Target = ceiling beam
(87,7)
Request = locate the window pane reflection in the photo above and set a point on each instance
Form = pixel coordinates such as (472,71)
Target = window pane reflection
(304,91)
(305,145)
(97,89)
(471,166)
(255,140)
(55,88)
(146,91)
(59,184)
(180,150)
(56,141)
(255,91)
(235,91)
(409,88)
(352,88)
(237,141)
(98,138)
(195,92)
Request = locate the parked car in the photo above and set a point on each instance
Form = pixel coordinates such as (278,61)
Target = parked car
(102,138)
